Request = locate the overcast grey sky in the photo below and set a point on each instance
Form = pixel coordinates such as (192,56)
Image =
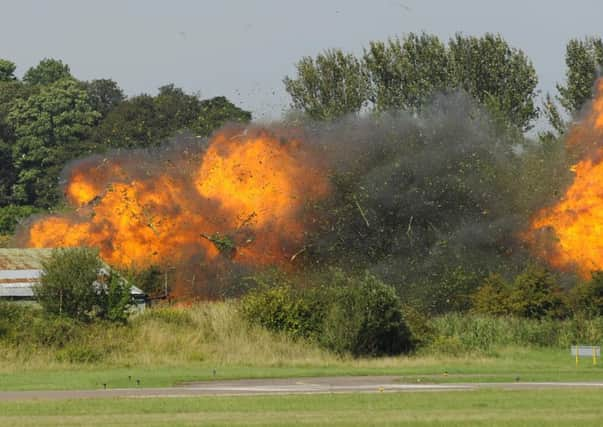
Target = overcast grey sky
(243,49)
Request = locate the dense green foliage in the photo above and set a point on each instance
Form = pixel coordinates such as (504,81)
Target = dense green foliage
(11,215)
(74,285)
(330,86)
(349,315)
(584,59)
(533,294)
(406,73)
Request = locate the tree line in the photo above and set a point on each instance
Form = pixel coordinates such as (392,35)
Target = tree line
(405,73)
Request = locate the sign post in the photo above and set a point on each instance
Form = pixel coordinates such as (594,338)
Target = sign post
(593,351)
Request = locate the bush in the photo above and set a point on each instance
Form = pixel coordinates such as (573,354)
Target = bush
(365,318)
(586,298)
(56,331)
(11,215)
(359,316)
(534,294)
(80,354)
(73,285)
(276,305)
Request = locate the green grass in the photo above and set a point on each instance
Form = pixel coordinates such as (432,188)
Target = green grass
(507,365)
(165,346)
(481,408)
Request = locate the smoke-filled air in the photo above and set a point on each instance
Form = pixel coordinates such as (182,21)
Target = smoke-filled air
(414,199)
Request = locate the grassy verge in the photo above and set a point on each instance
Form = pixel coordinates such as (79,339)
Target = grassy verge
(163,347)
(509,365)
(484,407)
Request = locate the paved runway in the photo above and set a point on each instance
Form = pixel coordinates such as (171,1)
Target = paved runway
(364,384)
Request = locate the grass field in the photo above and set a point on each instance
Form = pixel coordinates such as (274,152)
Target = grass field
(165,346)
(507,365)
(481,408)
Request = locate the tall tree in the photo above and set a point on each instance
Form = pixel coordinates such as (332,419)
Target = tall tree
(215,112)
(50,127)
(584,60)
(46,72)
(330,86)
(104,95)
(499,76)
(405,73)
(7,70)
(145,121)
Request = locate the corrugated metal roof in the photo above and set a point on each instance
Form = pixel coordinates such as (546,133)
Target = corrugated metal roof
(18,290)
(23,259)
(20,269)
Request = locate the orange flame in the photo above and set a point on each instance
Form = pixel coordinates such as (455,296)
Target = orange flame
(244,197)
(569,235)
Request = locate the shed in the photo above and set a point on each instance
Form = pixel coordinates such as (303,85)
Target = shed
(20,269)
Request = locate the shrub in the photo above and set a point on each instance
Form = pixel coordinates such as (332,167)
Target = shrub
(586,298)
(533,294)
(360,316)
(80,354)
(55,331)
(283,309)
(70,286)
(11,215)
(66,285)
(365,318)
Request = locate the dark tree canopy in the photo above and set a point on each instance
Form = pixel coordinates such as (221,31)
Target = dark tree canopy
(215,112)
(146,121)
(49,129)
(104,95)
(7,70)
(46,72)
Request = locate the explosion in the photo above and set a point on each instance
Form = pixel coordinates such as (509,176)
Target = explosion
(569,235)
(245,198)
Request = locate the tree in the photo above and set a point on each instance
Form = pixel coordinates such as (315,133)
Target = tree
(131,124)
(67,283)
(364,318)
(50,128)
(405,73)
(586,297)
(104,95)
(47,72)
(7,70)
(535,294)
(75,283)
(332,85)
(11,215)
(215,112)
(175,109)
(584,59)
(7,174)
(499,76)
(146,121)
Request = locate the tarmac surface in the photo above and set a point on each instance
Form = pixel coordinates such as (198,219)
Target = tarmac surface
(363,384)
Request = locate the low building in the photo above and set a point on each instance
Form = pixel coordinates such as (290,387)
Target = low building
(20,270)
